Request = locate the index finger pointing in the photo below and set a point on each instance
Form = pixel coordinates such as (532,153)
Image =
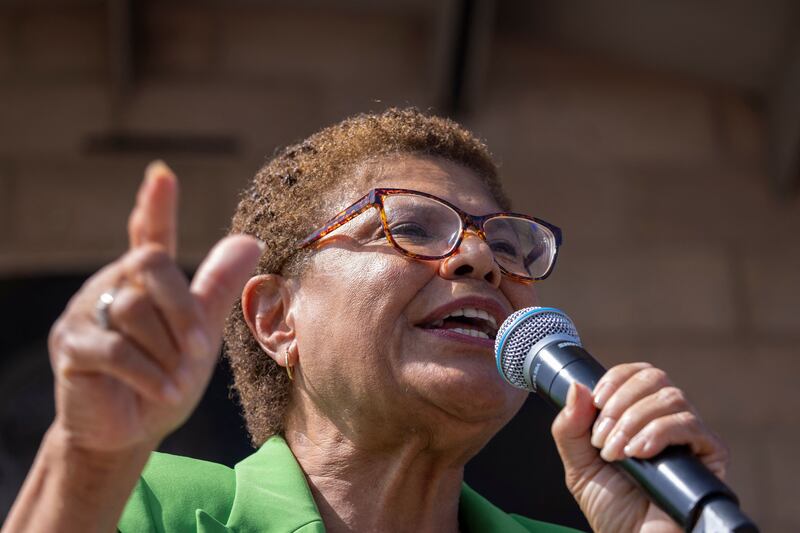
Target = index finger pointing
(153,219)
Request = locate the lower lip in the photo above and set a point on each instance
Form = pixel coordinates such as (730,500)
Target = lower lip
(460,337)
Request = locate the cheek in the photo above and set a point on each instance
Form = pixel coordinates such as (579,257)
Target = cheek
(352,303)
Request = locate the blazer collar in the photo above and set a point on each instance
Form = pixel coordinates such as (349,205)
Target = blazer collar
(272,494)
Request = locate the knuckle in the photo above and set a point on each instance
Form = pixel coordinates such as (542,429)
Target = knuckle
(152,258)
(66,354)
(64,351)
(130,303)
(626,422)
(653,375)
(672,397)
(633,368)
(65,364)
(158,234)
(68,345)
(56,336)
(689,420)
(617,372)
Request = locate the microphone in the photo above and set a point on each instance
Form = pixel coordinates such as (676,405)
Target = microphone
(538,349)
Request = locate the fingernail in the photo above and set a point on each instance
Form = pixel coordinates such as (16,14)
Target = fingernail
(571,394)
(638,446)
(198,343)
(600,395)
(647,447)
(604,425)
(261,245)
(613,445)
(157,168)
(632,448)
(171,393)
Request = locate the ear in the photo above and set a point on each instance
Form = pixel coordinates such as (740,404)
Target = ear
(266,303)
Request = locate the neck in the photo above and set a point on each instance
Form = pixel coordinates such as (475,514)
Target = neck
(361,486)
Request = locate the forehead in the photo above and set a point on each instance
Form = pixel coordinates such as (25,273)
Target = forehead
(433,175)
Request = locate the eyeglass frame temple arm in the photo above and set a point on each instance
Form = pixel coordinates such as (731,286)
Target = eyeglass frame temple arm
(341,218)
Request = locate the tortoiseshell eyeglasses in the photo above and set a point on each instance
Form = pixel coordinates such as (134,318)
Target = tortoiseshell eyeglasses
(422,226)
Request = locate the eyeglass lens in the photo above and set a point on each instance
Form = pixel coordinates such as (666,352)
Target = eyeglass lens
(424,226)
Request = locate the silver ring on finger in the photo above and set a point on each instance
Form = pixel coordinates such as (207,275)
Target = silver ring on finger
(102,308)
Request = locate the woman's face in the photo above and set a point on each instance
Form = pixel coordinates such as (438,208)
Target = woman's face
(376,352)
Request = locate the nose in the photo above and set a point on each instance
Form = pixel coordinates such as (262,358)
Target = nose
(473,259)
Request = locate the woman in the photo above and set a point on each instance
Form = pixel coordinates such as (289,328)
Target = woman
(361,350)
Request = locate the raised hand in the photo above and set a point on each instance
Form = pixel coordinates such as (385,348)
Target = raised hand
(641,413)
(132,354)
(130,382)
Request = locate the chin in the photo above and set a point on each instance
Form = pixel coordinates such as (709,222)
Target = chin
(464,425)
(474,397)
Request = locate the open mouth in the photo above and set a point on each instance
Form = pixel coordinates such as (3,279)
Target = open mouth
(467,321)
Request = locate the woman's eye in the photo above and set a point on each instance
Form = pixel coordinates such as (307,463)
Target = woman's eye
(505,248)
(409,229)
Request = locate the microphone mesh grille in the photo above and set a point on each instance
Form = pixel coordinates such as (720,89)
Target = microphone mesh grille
(527,327)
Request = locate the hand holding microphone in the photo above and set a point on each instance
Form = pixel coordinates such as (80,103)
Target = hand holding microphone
(538,349)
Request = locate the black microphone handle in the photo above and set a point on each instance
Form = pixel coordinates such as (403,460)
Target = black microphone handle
(675,480)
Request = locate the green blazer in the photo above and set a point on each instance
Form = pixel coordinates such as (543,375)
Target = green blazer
(266,493)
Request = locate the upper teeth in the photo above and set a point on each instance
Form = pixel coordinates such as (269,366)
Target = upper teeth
(472,312)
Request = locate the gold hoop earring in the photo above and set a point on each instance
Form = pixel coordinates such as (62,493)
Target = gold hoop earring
(288,366)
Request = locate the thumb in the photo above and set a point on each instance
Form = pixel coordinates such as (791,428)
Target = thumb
(572,431)
(221,276)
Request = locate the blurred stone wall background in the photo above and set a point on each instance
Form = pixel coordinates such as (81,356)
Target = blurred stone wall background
(662,137)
